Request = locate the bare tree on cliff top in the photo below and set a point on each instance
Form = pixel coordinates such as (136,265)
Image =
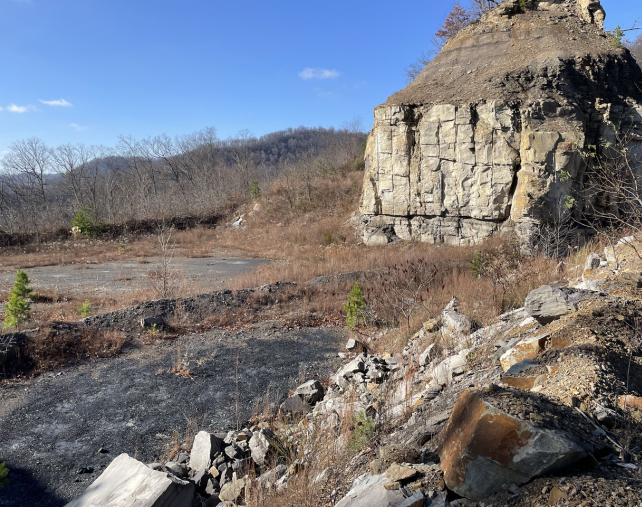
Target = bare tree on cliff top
(636,49)
(456,20)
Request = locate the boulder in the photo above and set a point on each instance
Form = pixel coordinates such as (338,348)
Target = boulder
(548,303)
(262,445)
(482,448)
(311,391)
(204,448)
(371,492)
(129,483)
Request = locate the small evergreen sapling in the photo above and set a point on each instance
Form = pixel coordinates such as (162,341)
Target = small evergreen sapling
(17,307)
(354,307)
(255,190)
(85,309)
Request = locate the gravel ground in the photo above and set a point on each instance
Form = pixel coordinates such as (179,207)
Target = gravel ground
(54,425)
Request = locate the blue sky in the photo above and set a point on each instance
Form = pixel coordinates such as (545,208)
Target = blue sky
(146,67)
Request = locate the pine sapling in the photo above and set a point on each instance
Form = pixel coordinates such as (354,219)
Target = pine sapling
(354,307)
(18,306)
(85,309)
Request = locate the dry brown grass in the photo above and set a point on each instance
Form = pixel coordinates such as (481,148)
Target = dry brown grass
(50,348)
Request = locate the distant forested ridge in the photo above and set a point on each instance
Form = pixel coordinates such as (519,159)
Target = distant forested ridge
(42,187)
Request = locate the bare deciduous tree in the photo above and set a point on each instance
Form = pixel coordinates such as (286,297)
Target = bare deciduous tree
(456,20)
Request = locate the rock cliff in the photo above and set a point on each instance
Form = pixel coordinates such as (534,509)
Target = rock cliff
(478,143)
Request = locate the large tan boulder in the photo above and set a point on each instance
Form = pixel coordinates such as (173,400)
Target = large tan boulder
(482,448)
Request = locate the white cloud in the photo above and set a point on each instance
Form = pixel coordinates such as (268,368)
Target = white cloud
(0,108)
(318,73)
(79,128)
(20,108)
(57,103)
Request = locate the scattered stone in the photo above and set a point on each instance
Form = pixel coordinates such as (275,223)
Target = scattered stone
(311,391)
(397,473)
(262,445)
(234,452)
(201,480)
(592,261)
(456,322)
(428,354)
(153,323)
(232,491)
(295,405)
(629,400)
(370,492)
(178,469)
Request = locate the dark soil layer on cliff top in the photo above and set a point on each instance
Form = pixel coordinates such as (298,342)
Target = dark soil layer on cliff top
(53,426)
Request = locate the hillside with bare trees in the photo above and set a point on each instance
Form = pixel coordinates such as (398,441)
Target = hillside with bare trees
(43,187)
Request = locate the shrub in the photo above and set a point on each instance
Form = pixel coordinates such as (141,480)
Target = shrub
(404,288)
(4,471)
(364,432)
(354,307)
(326,238)
(17,307)
(499,262)
(85,309)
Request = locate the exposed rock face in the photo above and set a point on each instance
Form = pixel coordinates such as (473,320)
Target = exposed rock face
(487,137)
